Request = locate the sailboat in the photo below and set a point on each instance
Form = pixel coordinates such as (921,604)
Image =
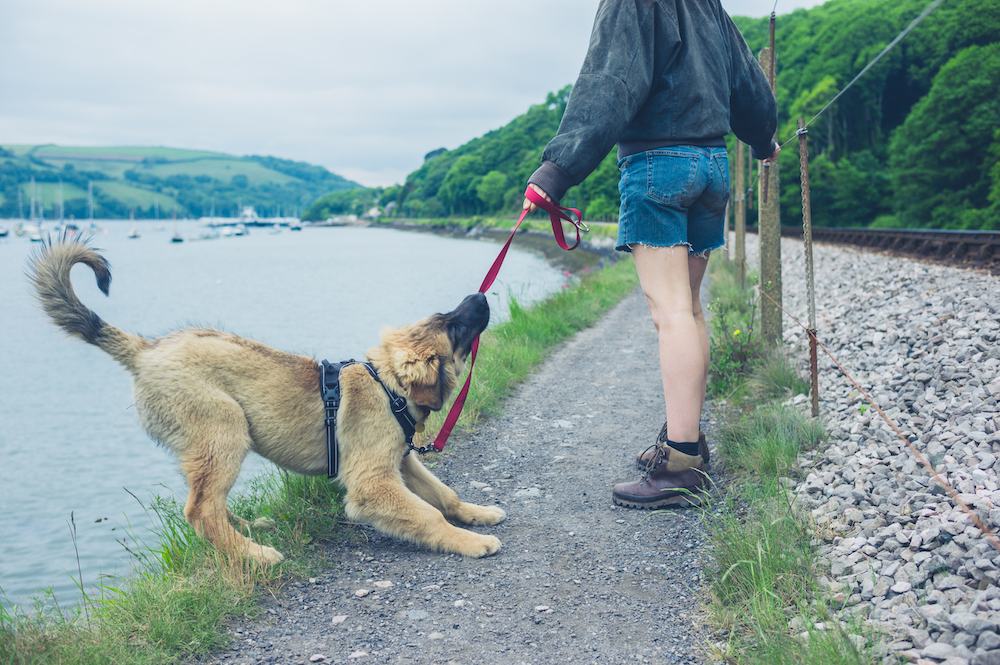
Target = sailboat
(177,235)
(132,233)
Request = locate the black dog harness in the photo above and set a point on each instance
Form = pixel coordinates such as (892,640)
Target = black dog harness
(329,386)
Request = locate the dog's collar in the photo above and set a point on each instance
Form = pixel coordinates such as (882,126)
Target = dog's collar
(329,385)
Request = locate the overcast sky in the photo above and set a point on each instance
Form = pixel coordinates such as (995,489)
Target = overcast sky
(364,88)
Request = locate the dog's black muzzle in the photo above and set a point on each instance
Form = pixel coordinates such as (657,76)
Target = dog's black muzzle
(467,321)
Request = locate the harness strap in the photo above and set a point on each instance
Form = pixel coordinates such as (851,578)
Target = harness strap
(557,214)
(397,404)
(329,385)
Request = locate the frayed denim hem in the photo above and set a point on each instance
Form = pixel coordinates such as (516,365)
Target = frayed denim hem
(703,254)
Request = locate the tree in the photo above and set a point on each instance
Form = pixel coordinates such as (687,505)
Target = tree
(458,189)
(943,154)
(491,189)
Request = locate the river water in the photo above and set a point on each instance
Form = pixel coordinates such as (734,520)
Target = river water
(71,451)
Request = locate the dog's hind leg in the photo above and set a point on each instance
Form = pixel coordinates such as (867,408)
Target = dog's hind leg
(428,487)
(211,459)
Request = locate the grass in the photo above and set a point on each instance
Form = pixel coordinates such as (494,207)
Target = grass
(767,605)
(220,169)
(136,196)
(48,194)
(110,152)
(182,591)
(173,607)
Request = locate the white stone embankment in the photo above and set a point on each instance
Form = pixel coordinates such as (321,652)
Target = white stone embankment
(922,341)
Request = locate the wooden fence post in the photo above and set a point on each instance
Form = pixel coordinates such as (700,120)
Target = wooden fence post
(769,235)
(810,283)
(740,212)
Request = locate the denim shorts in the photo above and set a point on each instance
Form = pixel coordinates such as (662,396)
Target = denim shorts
(674,196)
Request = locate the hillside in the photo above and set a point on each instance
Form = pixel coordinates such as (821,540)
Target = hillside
(914,143)
(150,182)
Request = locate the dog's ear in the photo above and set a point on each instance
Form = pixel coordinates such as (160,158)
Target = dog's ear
(421,376)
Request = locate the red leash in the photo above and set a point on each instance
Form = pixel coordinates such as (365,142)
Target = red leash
(557,214)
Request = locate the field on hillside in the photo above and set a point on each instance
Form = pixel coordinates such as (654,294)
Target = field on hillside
(146,181)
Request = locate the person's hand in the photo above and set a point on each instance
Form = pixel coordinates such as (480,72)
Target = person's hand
(774,155)
(531,207)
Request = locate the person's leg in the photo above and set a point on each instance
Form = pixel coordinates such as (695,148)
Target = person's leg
(671,281)
(683,220)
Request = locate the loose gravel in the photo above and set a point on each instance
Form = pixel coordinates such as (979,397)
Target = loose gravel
(921,340)
(578,580)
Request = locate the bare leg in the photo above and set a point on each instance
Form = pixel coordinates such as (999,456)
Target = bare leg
(671,280)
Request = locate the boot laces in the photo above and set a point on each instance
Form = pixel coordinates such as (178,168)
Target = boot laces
(654,461)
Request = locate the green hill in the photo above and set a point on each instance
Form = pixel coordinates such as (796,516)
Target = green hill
(150,182)
(914,143)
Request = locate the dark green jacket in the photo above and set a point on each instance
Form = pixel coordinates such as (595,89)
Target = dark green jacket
(659,73)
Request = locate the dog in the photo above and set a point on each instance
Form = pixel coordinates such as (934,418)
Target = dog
(211,397)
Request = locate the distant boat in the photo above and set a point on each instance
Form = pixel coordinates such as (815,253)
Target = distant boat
(248,217)
(295,226)
(240,230)
(177,235)
(3,232)
(132,233)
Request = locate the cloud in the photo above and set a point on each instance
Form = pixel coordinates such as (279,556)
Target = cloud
(363,88)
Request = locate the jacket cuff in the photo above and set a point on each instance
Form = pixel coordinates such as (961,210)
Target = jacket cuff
(552,179)
(762,152)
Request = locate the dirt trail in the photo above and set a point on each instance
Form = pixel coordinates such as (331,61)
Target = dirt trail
(578,580)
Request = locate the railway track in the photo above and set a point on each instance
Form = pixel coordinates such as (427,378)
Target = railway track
(979,250)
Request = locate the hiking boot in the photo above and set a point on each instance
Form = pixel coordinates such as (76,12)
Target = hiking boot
(643,459)
(671,479)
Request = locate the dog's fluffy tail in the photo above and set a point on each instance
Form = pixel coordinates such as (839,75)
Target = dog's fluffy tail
(49,273)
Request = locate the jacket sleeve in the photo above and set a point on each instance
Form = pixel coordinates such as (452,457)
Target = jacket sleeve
(753,109)
(613,84)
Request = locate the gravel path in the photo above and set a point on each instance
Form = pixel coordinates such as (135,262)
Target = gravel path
(578,580)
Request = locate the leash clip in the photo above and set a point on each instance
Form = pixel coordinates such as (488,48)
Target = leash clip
(578,222)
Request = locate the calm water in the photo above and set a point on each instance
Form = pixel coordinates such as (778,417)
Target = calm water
(69,442)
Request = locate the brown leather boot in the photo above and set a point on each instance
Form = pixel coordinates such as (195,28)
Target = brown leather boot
(643,459)
(671,479)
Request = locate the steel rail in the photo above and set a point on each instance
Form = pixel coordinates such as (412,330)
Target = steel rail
(965,249)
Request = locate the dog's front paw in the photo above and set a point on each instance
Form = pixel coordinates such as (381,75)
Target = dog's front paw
(489,515)
(484,546)
(470,513)
(264,523)
(266,555)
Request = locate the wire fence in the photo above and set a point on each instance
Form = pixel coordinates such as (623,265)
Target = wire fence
(801,134)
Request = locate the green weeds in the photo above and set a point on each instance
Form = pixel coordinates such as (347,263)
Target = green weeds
(767,604)
(182,590)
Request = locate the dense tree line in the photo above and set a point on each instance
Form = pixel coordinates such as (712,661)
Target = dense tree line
(914,143)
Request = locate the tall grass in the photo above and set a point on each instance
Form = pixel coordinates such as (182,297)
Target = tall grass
(182,590)
(767,605)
